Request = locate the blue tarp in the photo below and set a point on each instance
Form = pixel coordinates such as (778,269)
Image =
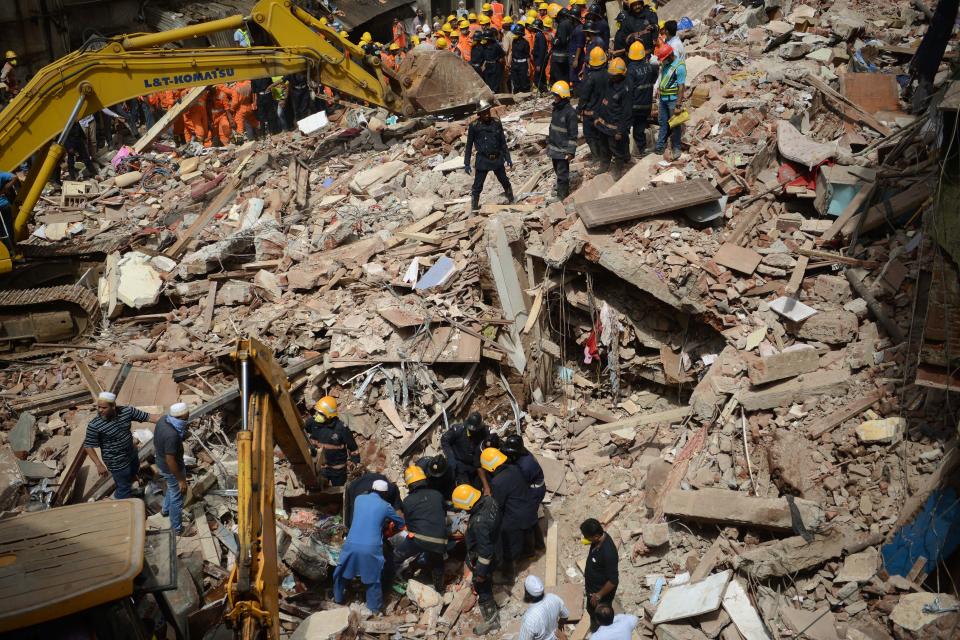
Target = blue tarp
(934,534)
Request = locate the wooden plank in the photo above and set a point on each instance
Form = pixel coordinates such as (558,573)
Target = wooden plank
(553,539)
(206,320)
(209,548)
(581,630)
(88,379)
(748,221)
(847,106)
(460,598)
(534,311)
(219,201)
(661,417)
(844,413)
(65,488)
(737,258)
(429,238)
(416,227)
(178,108)
(389,409)
(726,506)
(796,278)
(645,204)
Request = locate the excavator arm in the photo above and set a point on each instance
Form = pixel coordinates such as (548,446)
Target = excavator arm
(268,418)
(85,81)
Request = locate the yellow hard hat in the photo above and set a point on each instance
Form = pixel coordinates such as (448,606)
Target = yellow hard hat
(394,46)
(560,88)
(451,18)
(617,67)
(553,9)
(442,43)
(447,28)
(581,2)
(366,37)
(344,34)
(548,22)
(531,13)
(464,24)
(636,51)
(327,405)
(598,57)
(543,6)
(10,55)
(486,7)
(464,497)
(491,459)
(484,19)
(413,474)
(472,17)
(323,21)
(507,20)
(661,23)
(415,40)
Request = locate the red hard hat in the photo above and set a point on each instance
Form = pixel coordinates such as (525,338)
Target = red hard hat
(664,51)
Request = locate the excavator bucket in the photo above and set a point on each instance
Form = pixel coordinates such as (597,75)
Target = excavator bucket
(437,81)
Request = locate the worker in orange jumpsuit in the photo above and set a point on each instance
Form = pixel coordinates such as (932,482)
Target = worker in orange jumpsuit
(473,24)
(399,34)
(167,100)
(220,114)
(465,43)
(195,122)
(393,57)
(498,13)
(530,36)
(244,108)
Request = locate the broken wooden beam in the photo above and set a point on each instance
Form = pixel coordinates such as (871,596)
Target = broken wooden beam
(896,336)
(725,506)
(167,119)
(661,417)
(783,394)
(645,204)
(219,201)
(844,413)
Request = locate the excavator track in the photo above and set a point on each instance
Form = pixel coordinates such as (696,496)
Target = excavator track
(46,314)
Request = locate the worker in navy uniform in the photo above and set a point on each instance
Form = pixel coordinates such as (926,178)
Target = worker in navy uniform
(462,445)
(334,440)
(439,474)
(638,22)
(533,474)
(517,503)
(487,137)
(426,519)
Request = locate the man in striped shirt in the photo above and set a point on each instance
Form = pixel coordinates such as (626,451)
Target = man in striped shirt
(110,432)
(542,619)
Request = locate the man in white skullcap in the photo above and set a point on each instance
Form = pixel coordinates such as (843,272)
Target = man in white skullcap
(110,432)
(168,440)
(542,619)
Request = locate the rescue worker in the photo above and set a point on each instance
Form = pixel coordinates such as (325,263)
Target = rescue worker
(9,183)
(266,106)
(439,474)
(673,76)
(486,11)
(639,22)
(517,504)
(532,474)
(465,42)
(542,10)
(364,484)
(614,117)
(498,18)
(473,24)
(426,520)
(592,38)
(167,100)
(442,43)
(8,74)
(168,437)
(300,102)
(75,150)
(602,573)
(110,431)
(220,114)
(519,61)
(461,444)
(482,541)
(362,552)
(579,9)
(578,51)
(486,134)
(562,136)
(399,34)
(641,75)
(591,92)
(598,16)
(328,433)
(278,87)
(492,71)
(560,58)
(244,108)
(478,53)
(391,59)
(366,43)
(540,52)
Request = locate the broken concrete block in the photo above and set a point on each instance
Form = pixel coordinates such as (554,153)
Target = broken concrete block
(791,555)
(692,599)
(235,292)
(783,394)
(859,567)
(909,614)
(794,50)
(830,327)
(453,164)
(23,435)
(885,431)
(422,595)
(820,624)
(422,206)
(189,165)
(12,486)
(737,258)
(268,283)
(308,558)
(798,148)
(302,278)
(332,624)
(163,263)
(656,535)
(833,289)
(788,364)
(679,631)
(139,283)
(377,175)
(735,508)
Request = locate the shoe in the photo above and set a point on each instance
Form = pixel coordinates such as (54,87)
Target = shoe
(510,199)
(491,619)
(475,203)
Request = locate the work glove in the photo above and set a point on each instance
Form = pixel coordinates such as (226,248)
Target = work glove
(466,168)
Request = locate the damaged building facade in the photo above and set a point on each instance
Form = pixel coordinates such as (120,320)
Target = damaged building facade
(742,362)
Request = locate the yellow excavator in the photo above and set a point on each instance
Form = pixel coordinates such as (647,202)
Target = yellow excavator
(72,571)
(286,40)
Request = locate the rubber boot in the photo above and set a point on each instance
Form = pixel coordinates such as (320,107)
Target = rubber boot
(510,199)
(491,619)
(475,202)
(563,190)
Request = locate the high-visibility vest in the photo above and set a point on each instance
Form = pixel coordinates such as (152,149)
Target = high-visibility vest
(668,80)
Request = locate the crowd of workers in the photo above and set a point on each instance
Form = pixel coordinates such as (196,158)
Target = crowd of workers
(616,80)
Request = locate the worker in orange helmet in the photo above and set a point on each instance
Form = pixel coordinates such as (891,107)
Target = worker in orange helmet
(244,109)
(195,122)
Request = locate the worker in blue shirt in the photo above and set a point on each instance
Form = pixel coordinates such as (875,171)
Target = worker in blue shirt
(362,552)
(8,185)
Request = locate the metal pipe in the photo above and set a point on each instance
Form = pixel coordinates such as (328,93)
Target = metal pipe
(173,35)
(73,118)
(244,395)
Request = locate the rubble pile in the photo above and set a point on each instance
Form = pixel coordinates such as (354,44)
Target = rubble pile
(715,356)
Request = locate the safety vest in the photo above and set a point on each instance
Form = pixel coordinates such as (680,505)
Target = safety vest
(668,80)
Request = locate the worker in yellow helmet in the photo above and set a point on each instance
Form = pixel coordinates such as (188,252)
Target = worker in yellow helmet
(482,541)
(642,76)
(483,20)
(465,41)
(542,10)
(614,117)
(590,93)
(441,43)
(334,440)
(562,136)
(518,504)
(426,519)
